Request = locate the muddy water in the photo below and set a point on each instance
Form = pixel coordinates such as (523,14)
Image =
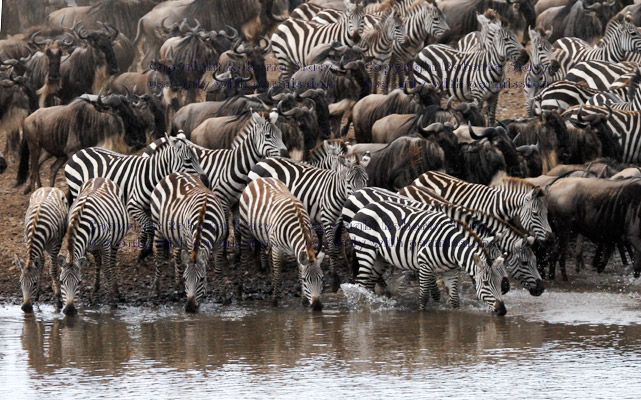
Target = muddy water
(562,344)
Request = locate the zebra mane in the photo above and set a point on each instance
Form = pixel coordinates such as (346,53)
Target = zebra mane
(74,221)
(156,145)
(31,234)
(469,232)
(242,135)
(199,228)
(511,182)
(634,84)
(309,249)
(419,3)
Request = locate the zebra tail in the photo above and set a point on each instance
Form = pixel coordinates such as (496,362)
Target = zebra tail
(23,167)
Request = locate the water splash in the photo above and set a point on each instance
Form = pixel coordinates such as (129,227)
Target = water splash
(359,298)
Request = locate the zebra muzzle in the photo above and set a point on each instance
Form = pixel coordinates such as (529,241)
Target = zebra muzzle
(27,307)
(499,308)
(191,306)
(538,289)
(316,304)
(69,309)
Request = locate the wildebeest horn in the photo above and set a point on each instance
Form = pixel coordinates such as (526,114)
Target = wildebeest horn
(579,117)
(66,41)
(110,29)
(99,100)
(41,43)
(166,28)
(79,30)
(249,78)
(594,6)
(264,49)
(135,89)
(223,78)
(183,27)
(610,4)
(526,150)
(128,94)
(233,35)
(312,93)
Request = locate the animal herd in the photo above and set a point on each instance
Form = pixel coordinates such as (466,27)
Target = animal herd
(377,144)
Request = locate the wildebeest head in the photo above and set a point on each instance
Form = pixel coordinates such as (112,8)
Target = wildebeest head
(301,117)
(53,50)
(254,57)
(195,276)
(135,126)
(103,41)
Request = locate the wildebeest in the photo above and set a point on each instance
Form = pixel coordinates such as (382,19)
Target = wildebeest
(251,17)
(591,136)
(88,69)
(122,14)
(17,100)
(60,131)
(580,204)
(461,15)
(575,19)
(244,57)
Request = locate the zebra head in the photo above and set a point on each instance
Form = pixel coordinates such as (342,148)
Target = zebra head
(395,29)
(499,270)
(542,55)
(533,216)
(354,14)
(187,159)
(70,279)
(195,276)
(353,171)
(435,20)
(505,43)
(629,35)
(522,266)
(266,137)
(311,276)
(29,280)
(487,284)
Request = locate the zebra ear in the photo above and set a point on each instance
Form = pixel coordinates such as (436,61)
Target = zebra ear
(488,241)
(273,116)
(537,192)
(530,240)
(62,260)
(17,262)
(366,158)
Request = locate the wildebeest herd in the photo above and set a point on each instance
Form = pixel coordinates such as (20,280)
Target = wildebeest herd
(161,113)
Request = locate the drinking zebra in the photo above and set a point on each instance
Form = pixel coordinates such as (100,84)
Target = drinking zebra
(273,216)
(424,241)
(512,199)
(520,259)
(98,222)
(294,38)
(191,221)
(45,224)
(474,76)
(321,191)
(137,176)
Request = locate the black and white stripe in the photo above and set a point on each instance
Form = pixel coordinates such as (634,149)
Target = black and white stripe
(326,154)
(561,95)
(424,241)
(513,200)
(137,176)
(474,76)
(270,214)
(189,220)
(598,74)
(45,224)
(294,38)
(97,223)
(321,191)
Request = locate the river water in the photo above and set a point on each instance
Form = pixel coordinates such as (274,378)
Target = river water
(562,344)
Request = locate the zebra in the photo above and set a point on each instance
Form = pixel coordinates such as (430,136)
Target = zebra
(620,37)
(474,76)
(97,223)
(561,95)
(631,102)
(294,38)
(360,198)
(189,219)
(626,123)
(543,67)
(520,259)
(424,241)
(511,199)
(325,154)
(322,191)
(379,43)
(273,216)
(135,175)
(600,75)
(45,225)
(306,11)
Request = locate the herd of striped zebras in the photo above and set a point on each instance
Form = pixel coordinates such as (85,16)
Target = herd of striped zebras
(200,204)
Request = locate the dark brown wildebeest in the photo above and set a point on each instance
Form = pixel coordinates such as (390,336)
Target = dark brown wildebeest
(17,101)
(122,14)
(580,204)
(243,58)
(251,17)
(578,18)
(90,120)
(88,69)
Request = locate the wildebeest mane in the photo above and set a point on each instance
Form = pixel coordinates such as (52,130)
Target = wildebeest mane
(480,162)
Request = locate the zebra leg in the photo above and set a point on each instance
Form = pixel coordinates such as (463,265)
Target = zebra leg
(109,262)
(492,102)
(219,262)
(146,236)
(426,278)
(451,280)
(97,259)
(276,266)
(55,278)
(178,273)
(331,230)
(433,288)
(162,248)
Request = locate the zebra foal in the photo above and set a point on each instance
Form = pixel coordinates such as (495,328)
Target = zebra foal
(189,219)
(98,222)
(45,225)
(273,216)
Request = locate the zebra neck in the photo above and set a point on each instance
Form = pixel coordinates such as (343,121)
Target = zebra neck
(245,156)
(610,51)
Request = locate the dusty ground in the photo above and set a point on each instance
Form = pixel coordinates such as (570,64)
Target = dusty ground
(135,278)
